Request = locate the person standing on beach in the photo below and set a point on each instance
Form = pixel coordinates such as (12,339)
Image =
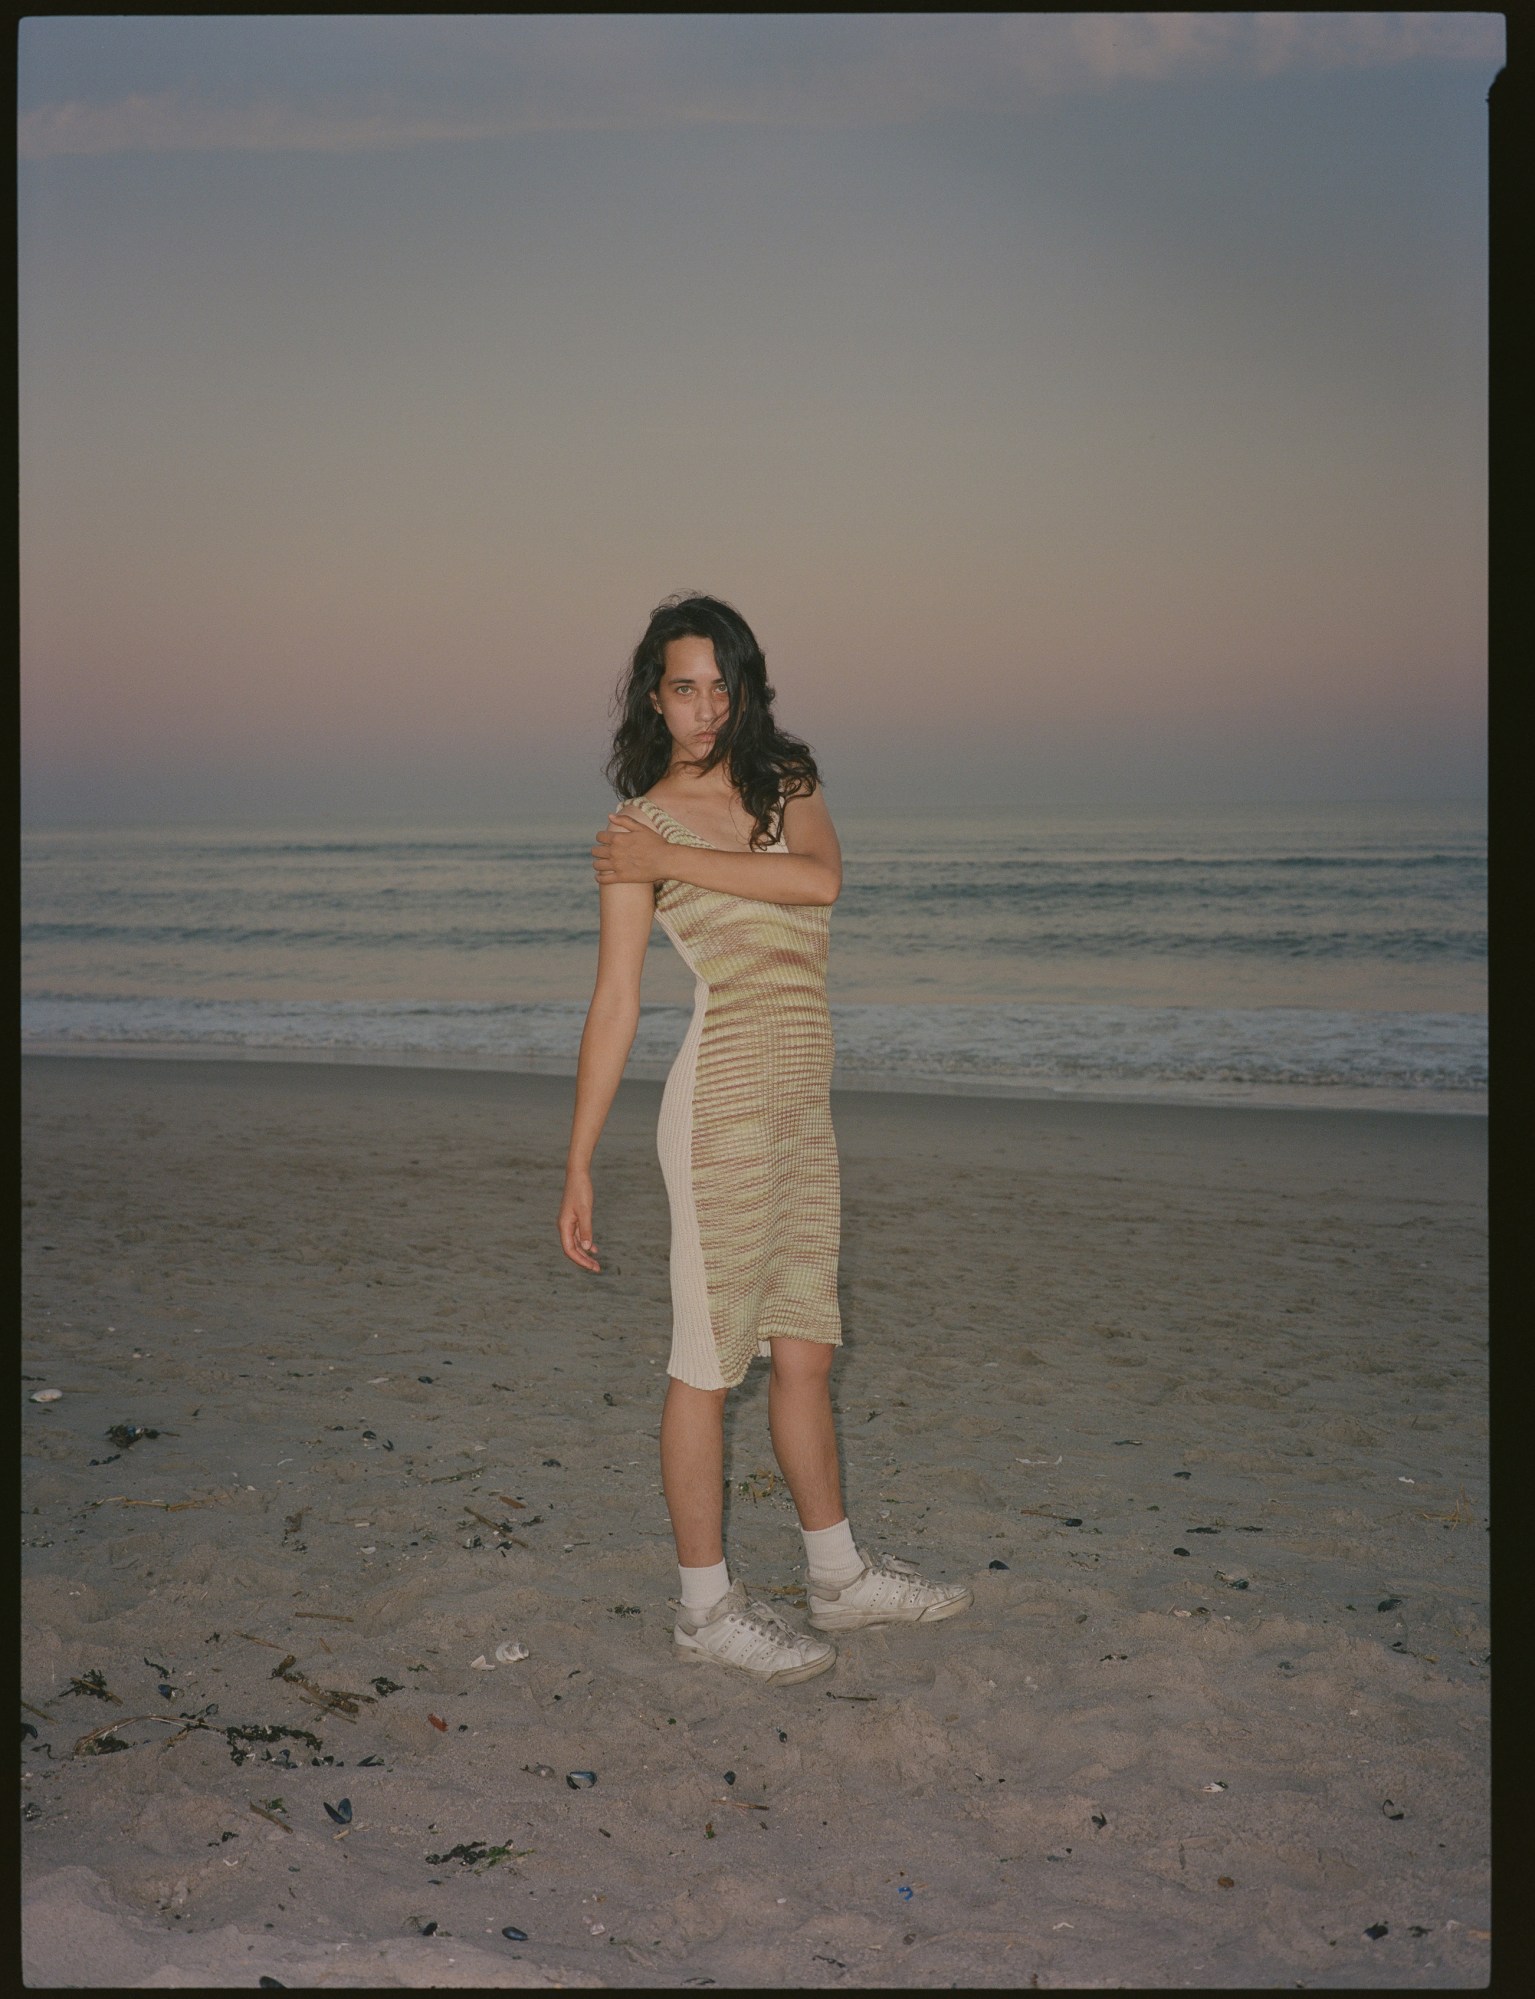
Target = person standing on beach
(724,836)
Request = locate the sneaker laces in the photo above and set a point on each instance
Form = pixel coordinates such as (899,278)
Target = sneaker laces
(892,1565)
(909,1579)
(754,1613)
(761,1617)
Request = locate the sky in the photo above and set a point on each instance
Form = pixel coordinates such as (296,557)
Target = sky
(1080,408)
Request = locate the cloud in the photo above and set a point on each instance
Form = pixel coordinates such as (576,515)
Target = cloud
(357,84)
(172,122)
(1085,51)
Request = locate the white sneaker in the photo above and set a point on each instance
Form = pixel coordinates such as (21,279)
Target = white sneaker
(750,1637)
(887,1591)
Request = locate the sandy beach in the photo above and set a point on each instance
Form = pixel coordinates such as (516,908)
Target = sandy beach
(1195,1400)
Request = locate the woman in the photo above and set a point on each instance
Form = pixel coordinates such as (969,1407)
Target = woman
(725,837)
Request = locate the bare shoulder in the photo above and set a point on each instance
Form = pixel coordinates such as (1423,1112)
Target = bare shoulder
(807,822)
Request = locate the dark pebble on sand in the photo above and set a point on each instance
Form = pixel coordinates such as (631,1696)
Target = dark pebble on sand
(1180,1551)
(1388,1603)
(996,1565)
(730,1776)
(514,1935)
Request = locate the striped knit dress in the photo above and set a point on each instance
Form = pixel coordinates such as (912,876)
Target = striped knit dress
(745,1137)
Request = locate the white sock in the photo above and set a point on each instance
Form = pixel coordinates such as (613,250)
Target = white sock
(702,1587)
(831,1554)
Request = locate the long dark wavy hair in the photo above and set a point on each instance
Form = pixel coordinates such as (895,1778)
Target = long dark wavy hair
(767,767)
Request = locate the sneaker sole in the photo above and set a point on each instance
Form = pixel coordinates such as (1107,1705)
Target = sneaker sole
(781,1676)
(853,1620)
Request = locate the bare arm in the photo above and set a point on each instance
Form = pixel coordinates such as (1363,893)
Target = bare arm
(627,910)
(631,850)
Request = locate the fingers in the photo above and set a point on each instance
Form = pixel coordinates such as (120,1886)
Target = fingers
(576,1241)
(623,860)
(604,856)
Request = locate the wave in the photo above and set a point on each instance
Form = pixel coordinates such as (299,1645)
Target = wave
(995,1045)
(448,938)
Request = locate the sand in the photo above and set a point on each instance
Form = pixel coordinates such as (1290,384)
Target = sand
(1195,1399)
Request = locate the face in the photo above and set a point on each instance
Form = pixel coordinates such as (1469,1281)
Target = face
(692,697)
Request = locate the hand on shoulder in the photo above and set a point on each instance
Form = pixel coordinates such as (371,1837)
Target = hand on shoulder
(629,849)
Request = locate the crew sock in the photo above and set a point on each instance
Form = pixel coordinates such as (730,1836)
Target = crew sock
(702,1587)
(831,1555)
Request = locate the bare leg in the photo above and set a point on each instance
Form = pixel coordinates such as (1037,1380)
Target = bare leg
(804,1436)
(693,1471)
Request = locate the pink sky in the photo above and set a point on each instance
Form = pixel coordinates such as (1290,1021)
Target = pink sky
(1082,414)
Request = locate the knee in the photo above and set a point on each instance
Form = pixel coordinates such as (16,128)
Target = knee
(683,1399)
(801,1363)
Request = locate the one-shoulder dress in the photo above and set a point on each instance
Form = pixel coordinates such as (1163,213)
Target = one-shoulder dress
(745,1137)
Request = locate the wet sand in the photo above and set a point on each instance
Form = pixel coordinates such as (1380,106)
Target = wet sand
(1194,1399)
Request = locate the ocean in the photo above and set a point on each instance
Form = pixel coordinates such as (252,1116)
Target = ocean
(1253,954)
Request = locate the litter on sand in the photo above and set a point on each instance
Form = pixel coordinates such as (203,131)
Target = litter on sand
(95,1684)
(87,1743)
(125,1435)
